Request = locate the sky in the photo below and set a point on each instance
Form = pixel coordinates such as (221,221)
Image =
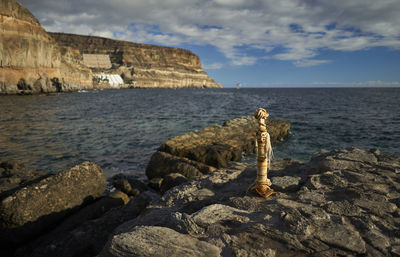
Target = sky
(260,43)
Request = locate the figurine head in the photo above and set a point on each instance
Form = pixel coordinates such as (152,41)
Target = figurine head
(261,113)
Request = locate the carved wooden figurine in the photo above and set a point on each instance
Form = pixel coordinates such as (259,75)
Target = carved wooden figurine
(264,155)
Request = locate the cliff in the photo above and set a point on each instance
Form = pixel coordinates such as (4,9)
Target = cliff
(143,65)
(31,61)
(34,61)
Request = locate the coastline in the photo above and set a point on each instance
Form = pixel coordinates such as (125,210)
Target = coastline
(181,206)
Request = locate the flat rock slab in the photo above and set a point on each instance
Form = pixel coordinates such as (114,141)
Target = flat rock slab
(347,204)
(285,183)
(36,207)
(151,241)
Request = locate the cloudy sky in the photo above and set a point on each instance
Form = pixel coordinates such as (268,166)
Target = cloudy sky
(257,42)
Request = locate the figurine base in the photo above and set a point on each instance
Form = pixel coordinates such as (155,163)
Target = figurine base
(266,193)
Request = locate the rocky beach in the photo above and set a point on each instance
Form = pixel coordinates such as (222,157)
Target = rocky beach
(343,202)
(157,173)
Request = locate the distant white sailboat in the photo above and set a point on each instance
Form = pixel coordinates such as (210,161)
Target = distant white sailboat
(238,85)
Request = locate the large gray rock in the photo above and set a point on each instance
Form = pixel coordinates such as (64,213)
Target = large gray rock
(38,206)
(154,241)
(346,204)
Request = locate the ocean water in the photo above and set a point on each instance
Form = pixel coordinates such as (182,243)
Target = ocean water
(120,129)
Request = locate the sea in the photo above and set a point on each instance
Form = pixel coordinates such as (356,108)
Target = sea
(120,129)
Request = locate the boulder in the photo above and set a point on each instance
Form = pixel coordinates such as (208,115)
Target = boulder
(88,237)
(14,175)
(162,164)
(155,183)
(38,206)
(172,180)
(200,152)
(345,202)
(128,184)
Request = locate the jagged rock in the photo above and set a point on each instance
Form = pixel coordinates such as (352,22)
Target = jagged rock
(347,204)
(86,238)
(162,164)
(200,152)
(38,206)
(172,180)
(157,241)
(127,184)
(13,175)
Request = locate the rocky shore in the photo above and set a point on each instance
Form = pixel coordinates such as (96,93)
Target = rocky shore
(343,202)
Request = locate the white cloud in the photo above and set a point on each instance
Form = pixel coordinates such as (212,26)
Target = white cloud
(213,66)
(310,62)
(244,60)
(291,30)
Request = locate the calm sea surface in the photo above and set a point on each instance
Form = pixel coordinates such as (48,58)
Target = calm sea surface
(120,129)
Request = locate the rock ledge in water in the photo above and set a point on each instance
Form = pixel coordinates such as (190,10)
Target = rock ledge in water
(199,152)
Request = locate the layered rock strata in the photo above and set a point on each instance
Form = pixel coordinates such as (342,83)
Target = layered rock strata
(142,65)
(200,152)
(344,202)
(30,59)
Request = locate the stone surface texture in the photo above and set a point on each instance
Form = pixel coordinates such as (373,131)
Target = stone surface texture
(346,203)
(202,151)
(38,206)
(151,241)
(86,232)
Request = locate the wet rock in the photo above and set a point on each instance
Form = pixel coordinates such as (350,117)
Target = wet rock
(199,152)
(36,207)
(162,163)
(157,241)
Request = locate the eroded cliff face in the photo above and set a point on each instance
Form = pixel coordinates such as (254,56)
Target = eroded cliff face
(143,65)
(34,61)
(30,59)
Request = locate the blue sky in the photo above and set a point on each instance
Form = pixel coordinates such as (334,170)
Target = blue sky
(260,43)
